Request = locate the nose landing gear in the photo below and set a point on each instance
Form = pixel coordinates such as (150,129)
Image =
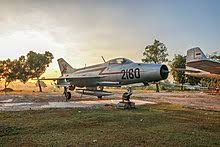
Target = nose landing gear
(126,96)
(126,103)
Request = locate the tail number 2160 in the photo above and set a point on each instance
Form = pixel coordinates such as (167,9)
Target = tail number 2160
(131,73)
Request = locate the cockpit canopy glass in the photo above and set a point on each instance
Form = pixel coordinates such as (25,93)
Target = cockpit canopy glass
(120,61)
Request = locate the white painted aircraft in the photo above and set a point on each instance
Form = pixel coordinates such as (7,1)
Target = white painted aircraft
(198,65)
(113,73)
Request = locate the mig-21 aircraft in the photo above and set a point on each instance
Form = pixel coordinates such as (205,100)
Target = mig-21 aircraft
(117,72)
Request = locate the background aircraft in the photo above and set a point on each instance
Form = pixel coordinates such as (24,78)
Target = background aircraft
(114,73)
(198,65)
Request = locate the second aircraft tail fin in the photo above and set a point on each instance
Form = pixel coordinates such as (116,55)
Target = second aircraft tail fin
(195,54)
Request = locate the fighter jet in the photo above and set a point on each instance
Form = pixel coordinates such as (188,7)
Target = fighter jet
(117,72)
(198,65)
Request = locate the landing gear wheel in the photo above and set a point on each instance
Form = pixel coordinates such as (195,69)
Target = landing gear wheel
(126,97)
(67,95)
(100,97)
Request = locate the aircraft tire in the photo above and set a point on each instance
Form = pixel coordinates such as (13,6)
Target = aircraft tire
(68,96)
(99,97)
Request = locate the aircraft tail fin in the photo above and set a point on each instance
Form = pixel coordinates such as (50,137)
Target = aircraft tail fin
(65,68)
(195,54)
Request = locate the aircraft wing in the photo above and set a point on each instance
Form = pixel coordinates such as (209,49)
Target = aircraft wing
(206,65)
(187,70)
(72,78)
(79,79)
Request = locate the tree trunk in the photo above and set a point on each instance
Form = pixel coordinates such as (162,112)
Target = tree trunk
(182,87)
(5,87)
(157,87)
(5,84)
(39,85)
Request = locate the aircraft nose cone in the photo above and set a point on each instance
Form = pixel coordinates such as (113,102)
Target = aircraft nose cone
(164,72)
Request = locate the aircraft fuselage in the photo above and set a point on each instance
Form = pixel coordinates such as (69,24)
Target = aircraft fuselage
(118,74)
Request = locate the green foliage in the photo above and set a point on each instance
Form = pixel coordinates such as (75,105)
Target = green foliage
(21,69)
(215,57)
(37,63)
(7,71)
(193,80)
(212,83)
(1,69)
(156,53)
(25,68)
(179,61)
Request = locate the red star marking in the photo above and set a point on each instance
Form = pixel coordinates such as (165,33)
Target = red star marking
(64,69)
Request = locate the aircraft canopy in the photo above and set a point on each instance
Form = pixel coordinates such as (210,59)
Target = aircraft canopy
(120,61)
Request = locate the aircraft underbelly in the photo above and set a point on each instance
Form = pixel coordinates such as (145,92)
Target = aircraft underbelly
(204,74)
(85,82)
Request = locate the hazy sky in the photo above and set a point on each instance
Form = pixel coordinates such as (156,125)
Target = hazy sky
(83,30)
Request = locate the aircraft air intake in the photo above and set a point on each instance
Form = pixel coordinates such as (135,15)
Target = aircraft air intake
(164,72)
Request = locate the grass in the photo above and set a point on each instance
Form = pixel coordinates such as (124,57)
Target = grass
(150,125)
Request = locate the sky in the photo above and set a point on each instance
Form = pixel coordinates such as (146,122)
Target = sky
(81,31)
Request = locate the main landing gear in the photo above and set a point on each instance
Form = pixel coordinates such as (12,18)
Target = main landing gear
(126,103)
(99,97)
(126,96)
(67,94)
(101,89)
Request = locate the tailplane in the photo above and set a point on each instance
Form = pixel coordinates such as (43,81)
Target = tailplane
(195,54)
(65,68)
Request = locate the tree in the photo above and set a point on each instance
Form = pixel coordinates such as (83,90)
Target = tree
(21,70)
(7,71)
(193,80)
(212,82)
(156,53)
(179,61)
(215,57)
(37,64)
(1,69)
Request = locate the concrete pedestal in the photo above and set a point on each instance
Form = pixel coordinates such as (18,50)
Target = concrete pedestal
(125,105)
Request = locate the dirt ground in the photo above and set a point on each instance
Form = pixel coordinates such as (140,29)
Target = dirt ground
(16,101)
(164,119)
